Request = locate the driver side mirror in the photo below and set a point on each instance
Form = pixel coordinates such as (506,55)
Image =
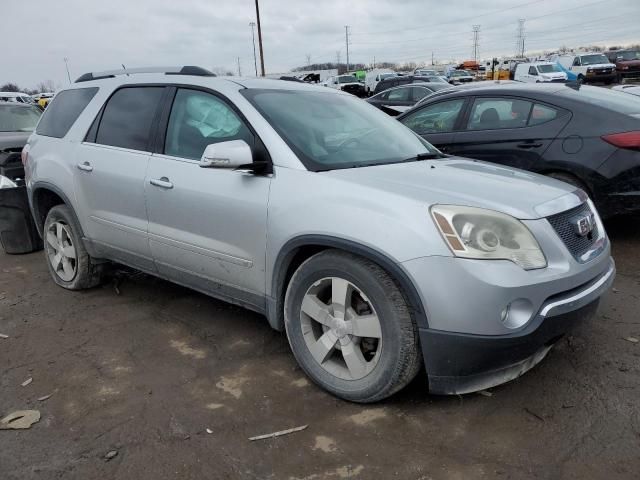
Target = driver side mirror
(231,154)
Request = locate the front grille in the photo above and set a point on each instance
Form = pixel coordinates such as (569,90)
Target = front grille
(564,227)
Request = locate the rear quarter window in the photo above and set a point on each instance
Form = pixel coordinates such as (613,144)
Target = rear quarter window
(64,110)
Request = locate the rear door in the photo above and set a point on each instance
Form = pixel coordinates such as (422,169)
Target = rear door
(112,165)
(207,226)
(509,130)
(437,122)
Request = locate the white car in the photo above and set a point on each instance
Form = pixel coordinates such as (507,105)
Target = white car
(346,83)
(539,72)
(18,97)
(374,76)
(589,67)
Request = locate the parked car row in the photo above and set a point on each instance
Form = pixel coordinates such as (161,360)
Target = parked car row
(365,268)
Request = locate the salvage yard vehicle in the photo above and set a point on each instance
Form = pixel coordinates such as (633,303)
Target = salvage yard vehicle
(371,249)
(396,81)
(589,67)
(346,83)
(399,99)
(627,63)
(374,76)
(539,72)
(18,97)
(459,76)
(586,136)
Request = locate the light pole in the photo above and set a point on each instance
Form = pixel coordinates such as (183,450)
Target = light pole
(253,42)
(66,64)
(260,39)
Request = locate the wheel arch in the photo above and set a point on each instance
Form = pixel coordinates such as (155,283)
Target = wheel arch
(44,197)
(297,250)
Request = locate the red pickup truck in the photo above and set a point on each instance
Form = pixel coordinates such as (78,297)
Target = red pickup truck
(627,63)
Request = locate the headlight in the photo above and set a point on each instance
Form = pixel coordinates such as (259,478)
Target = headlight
(485,234)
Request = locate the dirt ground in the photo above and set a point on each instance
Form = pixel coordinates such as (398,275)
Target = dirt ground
(148,370)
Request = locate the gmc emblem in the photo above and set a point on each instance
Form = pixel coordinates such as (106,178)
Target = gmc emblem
(584,224)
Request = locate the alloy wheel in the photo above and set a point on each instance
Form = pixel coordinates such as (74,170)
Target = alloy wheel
(341,328)
(61,251)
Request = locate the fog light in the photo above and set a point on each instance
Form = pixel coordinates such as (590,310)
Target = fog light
(517,313)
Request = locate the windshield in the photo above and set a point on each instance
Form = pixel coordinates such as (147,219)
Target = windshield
(329,131)
(18,118)
(437,80)
(387,75)
(459,73)
(548,68)
(347,79)
(629,55)
(593,59)
(603,97)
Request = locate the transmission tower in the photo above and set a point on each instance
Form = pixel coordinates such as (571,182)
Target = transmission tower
(476,43)
(520,38)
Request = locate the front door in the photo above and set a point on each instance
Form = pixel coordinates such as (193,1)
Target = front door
(207,227)
(112,165)
(436,122)
(510,131)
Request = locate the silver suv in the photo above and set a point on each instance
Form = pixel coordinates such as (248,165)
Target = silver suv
(371,249)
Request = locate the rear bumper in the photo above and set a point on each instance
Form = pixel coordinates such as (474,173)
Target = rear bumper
(458,363)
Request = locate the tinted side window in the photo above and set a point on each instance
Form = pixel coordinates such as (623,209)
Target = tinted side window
(420,93)
(496,113)
(533,71)
(400,94)
(128,116)
(437,118)
(542,114)
(199,119)
(576,62)
(64,110)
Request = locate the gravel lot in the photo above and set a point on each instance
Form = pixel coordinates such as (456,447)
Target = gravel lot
(145,368)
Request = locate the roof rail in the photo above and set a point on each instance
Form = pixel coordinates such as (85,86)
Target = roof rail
(186,70)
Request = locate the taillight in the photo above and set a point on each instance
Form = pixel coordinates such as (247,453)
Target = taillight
(24,155)
(629,140)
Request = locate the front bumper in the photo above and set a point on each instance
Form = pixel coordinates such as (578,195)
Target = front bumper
(600,77)
(458,363)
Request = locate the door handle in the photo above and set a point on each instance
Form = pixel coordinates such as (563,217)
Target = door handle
(161,182)
(85,167)
(530,145)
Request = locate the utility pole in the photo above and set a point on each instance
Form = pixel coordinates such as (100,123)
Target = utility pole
(346,36)
(520,38)
(476,42)
(260,39)
(338,58)
(374,62)
(432,62)
(308,59)
(239,71)
(66,64)
(253,42)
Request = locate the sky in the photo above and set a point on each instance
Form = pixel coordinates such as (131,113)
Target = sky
(103,35)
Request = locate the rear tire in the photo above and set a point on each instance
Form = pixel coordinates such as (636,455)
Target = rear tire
(69,263)
(349,327)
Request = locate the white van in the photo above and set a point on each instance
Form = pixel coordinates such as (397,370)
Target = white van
(18,97)
(589,67)
(539,72)
(372,78)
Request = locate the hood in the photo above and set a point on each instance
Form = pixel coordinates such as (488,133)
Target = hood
(457,181)
(628,63)
(600,65)
(13,140)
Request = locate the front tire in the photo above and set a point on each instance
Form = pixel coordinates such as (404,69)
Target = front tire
(69,263)
(349,327)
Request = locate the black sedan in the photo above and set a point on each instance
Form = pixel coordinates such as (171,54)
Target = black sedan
(586,136)
(399,99)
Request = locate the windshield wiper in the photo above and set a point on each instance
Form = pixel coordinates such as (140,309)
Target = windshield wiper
(423,156)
